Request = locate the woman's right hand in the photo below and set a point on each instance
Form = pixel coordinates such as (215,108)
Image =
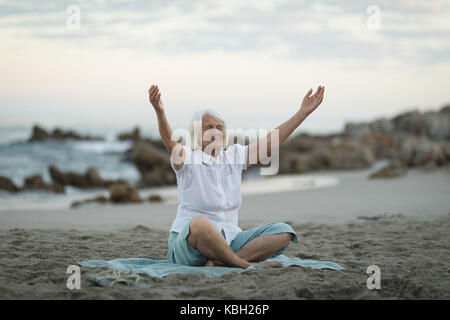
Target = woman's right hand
(155,98)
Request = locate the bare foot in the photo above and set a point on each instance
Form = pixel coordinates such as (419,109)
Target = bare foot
(211,263)
(270,264)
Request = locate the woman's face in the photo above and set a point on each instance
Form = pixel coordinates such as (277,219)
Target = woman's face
(212,132)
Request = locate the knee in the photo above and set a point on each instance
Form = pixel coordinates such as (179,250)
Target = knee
(287,235)
(198,224)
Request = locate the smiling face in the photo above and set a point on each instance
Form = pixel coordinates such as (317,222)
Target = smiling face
(213,133)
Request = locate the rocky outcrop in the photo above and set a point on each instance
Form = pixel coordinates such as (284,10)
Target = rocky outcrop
(36,182)
(120,193)
(420,151)
(431,125)
(394,169)
(123,193)
(411,139)
(152,163)
(335,153)
(99,199)
(8,185)
(67,178)
(155,198)
(90,179)
(40,134)
(135,135)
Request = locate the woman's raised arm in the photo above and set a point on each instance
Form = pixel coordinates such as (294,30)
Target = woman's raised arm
(164,128)
(309,104)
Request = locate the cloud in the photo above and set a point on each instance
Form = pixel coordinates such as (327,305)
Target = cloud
(413,30)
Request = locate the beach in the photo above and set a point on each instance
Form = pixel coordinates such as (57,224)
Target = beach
(399,224)
(330,117)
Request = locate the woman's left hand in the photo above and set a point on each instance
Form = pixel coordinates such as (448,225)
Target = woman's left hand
(311,102)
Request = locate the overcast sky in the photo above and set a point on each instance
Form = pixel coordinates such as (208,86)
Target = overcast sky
(252,61)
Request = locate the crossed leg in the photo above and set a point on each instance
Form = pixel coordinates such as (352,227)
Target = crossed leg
(264,247)
(204,237)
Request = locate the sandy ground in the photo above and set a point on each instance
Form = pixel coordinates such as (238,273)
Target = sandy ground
(407,237)
(413,256)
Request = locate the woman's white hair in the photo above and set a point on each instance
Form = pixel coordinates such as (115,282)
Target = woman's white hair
(197,121)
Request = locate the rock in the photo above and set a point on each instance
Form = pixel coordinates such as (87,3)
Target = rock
(40,134)
(59,134)
(155,198)
(382,145)
(93,178)
(135,135)
(68,178)
(57,188)
(158,177)
(96,181)
(445,110)
(352,155)
(356,130)
(8,185)
(419,151)
(320,159)
(123,193)
(141,228)
(57,175)
(392,170)
(433,125)
(90,179)
(437,125)
(147,157)
(291,162)
(152,163)
(36,182)
(99,199)
(304,143)
(339,153)
(410,122)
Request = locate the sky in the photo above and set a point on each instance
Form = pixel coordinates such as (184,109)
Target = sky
(87,64)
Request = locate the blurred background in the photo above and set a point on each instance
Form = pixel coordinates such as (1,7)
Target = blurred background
(74,111)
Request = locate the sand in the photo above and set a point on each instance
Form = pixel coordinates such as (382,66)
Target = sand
(402,228)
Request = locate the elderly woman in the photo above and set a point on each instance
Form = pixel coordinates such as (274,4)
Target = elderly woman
(205,231)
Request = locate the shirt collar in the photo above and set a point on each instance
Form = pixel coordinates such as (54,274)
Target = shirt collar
(210,160)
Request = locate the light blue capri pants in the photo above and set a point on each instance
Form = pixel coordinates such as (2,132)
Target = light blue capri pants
(181,252)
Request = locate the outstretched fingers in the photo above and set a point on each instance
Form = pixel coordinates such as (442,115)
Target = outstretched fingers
(319,96)
(154,92)
(158,97)
(317,92)
(308,93)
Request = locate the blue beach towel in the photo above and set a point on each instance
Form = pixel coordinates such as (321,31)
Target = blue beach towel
(162,268)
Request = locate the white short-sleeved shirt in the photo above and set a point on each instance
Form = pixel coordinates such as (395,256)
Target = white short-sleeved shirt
(211,187)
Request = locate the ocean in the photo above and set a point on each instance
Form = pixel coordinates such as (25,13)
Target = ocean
(20,159)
